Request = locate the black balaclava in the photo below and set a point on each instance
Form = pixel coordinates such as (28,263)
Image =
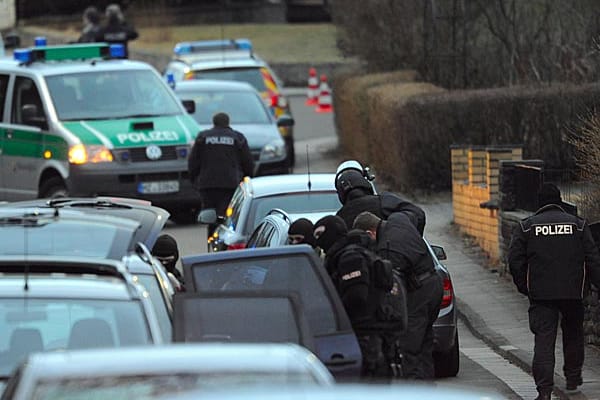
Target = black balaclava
(166,246)
(549,194)
(328,230)
(304,227)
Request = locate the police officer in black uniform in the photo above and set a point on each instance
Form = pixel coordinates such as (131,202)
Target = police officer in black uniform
(550,255)
(357,195)
(116,30)
(349,263)
(219,160)
(399,241)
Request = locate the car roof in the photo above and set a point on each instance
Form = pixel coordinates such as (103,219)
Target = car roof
(292,183)
(151,219)
(346,391)
(74,66)
(282,251)
(176,358)
(219,60)
(213,84)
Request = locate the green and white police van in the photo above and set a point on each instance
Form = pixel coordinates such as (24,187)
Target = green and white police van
(79,120)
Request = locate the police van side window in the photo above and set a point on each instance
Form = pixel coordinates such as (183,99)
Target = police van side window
(27,107)
(3,87)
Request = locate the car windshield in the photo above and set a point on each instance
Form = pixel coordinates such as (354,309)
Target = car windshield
(289,273)
(65,238)
(254,76)
(242,107)
(37,324)
(157,386)
(293,203)
(110,94)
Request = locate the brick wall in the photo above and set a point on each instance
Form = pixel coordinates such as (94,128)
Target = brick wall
(475,193)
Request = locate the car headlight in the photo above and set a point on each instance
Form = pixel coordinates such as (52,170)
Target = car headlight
(272,150)
(82,154)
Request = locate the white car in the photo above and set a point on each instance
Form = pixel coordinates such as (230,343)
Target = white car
(153,372)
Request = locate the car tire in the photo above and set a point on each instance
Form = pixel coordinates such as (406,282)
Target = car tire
(52,188)
(447,364)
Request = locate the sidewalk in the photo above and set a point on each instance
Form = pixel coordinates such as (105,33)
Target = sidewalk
(490,305)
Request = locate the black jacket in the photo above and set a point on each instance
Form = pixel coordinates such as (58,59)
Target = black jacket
(382,205)
(220,158)
(399,241)
(551,253)
(117,32)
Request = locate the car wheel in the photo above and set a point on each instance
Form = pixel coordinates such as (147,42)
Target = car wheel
(447,364)
(53,188)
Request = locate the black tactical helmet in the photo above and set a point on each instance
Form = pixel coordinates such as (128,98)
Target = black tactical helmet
(350,179)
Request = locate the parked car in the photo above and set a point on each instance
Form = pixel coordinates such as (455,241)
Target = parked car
(148,373)
(271,274)
(233,60)
(81,227)
(272,232)
(255,197)
(54,303)
(247,114)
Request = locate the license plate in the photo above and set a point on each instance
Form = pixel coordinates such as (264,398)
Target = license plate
(158,187)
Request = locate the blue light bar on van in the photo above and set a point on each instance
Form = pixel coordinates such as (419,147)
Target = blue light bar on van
(200,46)
(40,41)
(69,52)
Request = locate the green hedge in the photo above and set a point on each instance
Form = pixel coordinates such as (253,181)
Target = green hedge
(405,129)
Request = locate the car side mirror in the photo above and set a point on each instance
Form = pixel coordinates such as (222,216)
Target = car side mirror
(208,216)
(285,121)
(190,106)
(439,252)
(30,116)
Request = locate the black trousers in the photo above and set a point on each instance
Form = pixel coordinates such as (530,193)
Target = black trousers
(216,198)
(416,344)
(543,322)
(378,354)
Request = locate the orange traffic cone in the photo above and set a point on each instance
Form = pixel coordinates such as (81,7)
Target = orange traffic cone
(312,92)
(324,101)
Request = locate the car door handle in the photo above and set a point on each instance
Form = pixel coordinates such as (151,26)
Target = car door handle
(338,360)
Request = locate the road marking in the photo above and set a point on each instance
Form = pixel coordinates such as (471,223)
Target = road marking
(514,377)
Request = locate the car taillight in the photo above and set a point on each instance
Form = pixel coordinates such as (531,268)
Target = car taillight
(447,297)
(274,100)
(236,246)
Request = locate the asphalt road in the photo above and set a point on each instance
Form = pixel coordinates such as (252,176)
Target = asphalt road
(316,147)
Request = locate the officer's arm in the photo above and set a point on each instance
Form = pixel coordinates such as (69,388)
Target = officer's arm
(246,157)
(391,203)
(592,256)
(353,282)
(517,259)
(194,162)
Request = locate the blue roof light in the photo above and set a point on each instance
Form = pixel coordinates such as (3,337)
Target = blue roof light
(40,41)
(117,51)
(212,45)
(171,79)
(22,55)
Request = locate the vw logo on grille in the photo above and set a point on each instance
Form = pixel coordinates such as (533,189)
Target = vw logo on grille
(153,152)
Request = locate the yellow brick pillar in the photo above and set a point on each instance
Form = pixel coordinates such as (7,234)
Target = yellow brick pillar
(477,166)
(459,161)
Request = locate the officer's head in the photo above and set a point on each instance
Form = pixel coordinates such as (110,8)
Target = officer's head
(221,120)
(91,15)
(165,250)
(367,222)
(301,231)
(351,180)
(328,230)
(113,13)
(549,193)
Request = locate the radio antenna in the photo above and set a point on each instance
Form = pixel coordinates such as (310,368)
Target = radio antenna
(308,168)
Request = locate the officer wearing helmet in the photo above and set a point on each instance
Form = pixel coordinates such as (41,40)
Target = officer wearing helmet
(357,194)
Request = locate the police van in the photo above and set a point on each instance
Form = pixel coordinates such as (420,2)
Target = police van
(79,120)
